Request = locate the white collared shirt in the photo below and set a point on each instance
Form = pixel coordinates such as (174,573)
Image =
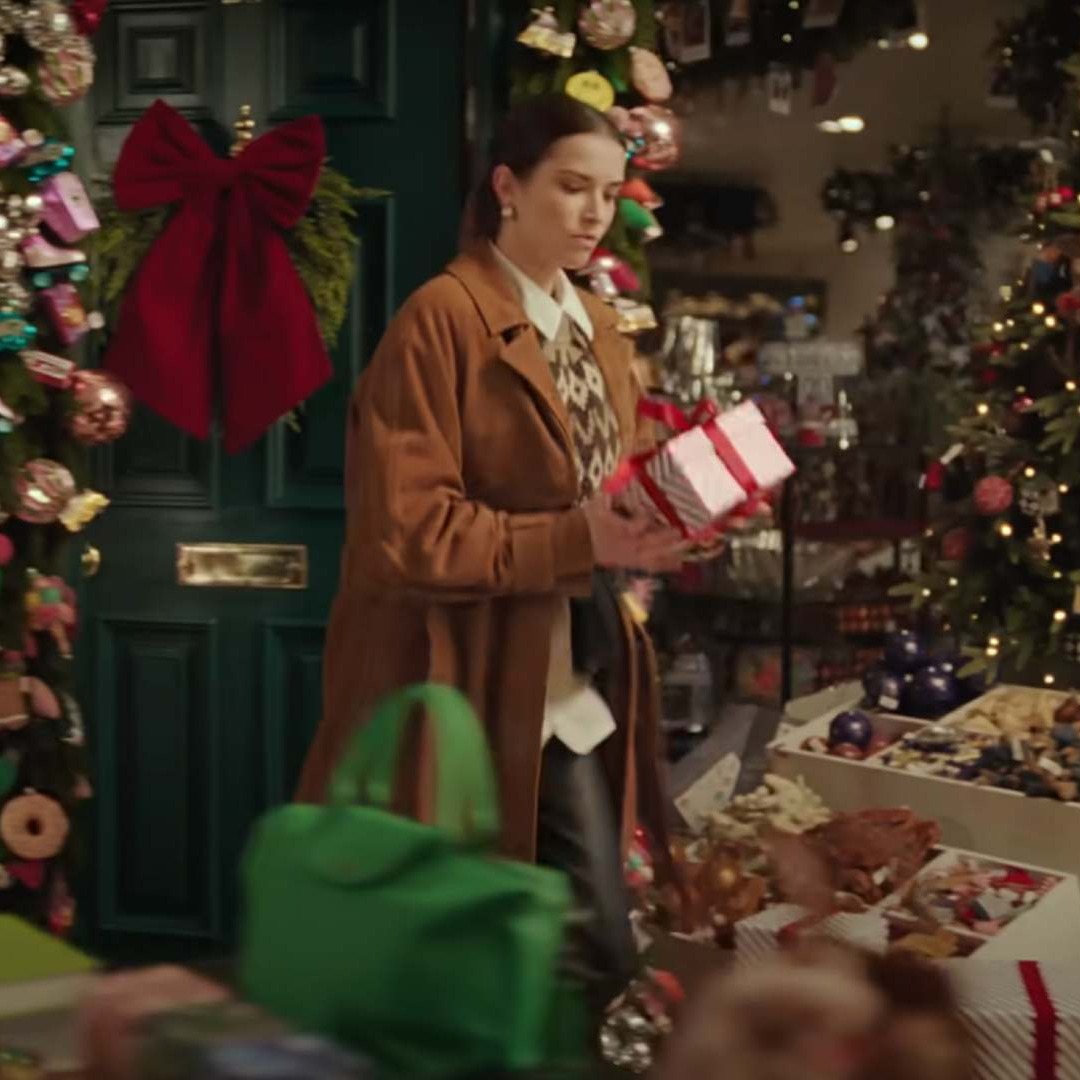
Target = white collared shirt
(574,712)
(546,310)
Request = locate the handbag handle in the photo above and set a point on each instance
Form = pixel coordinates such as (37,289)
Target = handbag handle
(465,801)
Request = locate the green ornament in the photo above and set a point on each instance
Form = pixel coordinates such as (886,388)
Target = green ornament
(639,219)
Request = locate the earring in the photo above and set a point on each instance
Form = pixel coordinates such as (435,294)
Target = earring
(508,212)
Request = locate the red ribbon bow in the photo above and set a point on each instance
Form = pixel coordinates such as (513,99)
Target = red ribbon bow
(217,290)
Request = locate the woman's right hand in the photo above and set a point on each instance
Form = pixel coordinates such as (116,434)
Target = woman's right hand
(631,541)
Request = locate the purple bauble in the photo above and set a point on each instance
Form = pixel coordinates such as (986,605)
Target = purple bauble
(883,687)
(933,692)
(971,686)
(852,727)
(904,651)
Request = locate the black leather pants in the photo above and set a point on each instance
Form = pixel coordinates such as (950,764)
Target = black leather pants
(577,834)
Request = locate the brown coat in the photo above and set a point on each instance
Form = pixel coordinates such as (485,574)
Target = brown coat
(462,533)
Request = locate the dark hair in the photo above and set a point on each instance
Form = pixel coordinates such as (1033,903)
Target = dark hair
(522,140)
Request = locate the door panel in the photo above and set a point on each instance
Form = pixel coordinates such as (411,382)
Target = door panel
(202,700)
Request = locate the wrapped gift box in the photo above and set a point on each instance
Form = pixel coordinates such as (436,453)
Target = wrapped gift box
(715,464)
(785,924)
(1023,1019)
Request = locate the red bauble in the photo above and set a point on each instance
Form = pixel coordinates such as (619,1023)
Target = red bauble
(1068,303)
(88,15)
(956,544)
(7,549)
(988,376)
(993,495)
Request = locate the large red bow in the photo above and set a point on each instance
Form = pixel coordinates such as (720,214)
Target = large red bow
(217,300)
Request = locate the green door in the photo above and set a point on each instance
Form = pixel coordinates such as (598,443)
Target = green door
(201,700)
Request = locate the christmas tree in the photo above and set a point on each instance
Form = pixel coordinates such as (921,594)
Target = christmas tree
(50,413)
(934,201)
(1004,555)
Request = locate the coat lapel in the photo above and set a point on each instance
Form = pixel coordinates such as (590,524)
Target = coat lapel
(524,354)
(505,319)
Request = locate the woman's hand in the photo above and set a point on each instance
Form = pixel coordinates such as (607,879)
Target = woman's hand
(631,541)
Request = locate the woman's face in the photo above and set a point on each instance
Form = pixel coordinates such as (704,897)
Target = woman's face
(565,206)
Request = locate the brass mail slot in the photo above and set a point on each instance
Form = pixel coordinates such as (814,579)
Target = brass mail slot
(242,566)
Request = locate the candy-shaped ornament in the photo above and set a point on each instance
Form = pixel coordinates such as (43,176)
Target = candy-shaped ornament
(543,35)
(44,488)
(592,89)
(50,609)
(102,407)
(650,76)
(67,314)
(66,75)
(68,211)
(608,24)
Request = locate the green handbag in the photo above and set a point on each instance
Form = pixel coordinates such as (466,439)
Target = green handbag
(411,942)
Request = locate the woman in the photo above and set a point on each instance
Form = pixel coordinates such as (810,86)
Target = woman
(479,439)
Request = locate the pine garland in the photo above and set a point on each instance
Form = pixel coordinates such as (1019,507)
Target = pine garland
(322,246)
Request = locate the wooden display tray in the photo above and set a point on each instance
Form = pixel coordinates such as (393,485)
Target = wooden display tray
(998,823)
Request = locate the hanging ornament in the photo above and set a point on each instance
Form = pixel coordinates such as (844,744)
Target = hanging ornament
(608,275)
(637,189)
(1038,500)
(591,88)
(88,15)
(82,509)
(47,25)
(956,544)
(639,220)
(993,495)
(780,89)
(43,488)
(102,407)
(67,209)
(543,35)
(14,82)
(70,319)
(66,75)
(657,134)
(608,24)
(650,76)
(50,609)
(33,826)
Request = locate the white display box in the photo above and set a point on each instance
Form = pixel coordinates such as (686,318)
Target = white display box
(1004,824)
(1049,932)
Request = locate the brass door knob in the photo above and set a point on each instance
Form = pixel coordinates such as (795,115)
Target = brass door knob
(91,561)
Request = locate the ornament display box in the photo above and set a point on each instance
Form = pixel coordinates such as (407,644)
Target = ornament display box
(1003,824)
(1047,932)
